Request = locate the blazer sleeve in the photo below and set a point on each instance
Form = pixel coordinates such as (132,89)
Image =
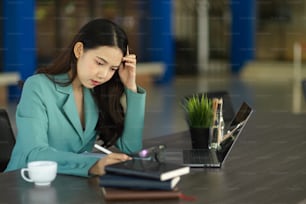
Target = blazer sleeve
(131,139)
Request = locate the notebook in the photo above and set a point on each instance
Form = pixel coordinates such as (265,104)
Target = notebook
(135,182)
(215,157)
(148,169)
(117,194)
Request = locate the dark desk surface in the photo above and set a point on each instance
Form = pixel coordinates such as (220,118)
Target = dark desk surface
(266,165)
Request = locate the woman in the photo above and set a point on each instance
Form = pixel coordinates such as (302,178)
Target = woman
(65,106)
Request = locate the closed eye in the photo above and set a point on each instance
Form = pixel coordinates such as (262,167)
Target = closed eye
(102,62)
(99,63)
(116,67)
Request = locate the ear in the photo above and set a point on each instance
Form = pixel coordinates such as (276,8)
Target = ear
(78,49)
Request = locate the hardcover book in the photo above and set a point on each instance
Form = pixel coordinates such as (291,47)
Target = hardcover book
(128,194)
(148,169)
(132,182)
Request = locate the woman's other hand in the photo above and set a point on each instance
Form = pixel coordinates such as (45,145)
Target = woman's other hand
(98,167)
(127,72)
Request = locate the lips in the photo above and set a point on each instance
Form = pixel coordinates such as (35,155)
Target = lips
(95,83)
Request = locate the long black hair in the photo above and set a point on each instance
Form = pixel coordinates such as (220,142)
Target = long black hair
(96,33)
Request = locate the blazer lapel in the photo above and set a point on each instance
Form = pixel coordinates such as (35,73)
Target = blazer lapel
(69,106)
(91,111)
(71,113)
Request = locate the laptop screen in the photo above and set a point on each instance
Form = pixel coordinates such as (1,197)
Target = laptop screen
(234,129)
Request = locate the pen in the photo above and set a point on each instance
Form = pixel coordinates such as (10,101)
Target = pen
(102,149)
(230,133)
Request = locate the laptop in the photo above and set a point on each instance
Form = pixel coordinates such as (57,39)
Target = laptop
(215,157)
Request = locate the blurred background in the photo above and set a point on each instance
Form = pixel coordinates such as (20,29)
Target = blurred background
(254,49)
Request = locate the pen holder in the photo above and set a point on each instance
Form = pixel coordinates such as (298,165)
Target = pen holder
(200,137)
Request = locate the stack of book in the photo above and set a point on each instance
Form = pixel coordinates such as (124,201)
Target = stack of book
(141,179)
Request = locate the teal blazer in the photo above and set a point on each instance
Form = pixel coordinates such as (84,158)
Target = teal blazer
(49,128)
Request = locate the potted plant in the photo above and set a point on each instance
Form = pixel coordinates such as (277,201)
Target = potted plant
(199,112)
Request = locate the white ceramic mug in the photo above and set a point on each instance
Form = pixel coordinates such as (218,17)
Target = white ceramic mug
(42,173)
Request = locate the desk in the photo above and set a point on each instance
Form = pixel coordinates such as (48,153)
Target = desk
(266,165)
(64,189)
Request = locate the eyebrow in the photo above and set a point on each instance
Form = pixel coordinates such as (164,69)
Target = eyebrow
(105,61)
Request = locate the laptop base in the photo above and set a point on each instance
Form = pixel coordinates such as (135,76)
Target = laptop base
(201,158)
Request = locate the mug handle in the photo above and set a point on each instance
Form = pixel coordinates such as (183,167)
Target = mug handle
(23,170)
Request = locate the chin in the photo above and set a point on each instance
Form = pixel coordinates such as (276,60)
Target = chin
(89,86)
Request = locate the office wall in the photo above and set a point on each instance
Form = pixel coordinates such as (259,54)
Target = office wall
(58,21)
(280,25)
(186,35)
(1,37)
(148,25)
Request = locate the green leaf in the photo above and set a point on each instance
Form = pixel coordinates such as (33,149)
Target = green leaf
(199,111)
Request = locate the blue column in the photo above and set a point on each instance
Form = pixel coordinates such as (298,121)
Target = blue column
(19,40)
(161,41)
(243,32)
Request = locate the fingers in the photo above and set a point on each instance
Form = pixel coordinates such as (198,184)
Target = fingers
(130,60)
(119,157)
(115,158)
(98,168)
(127,72)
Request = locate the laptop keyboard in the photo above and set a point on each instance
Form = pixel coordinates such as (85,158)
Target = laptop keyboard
(197,156)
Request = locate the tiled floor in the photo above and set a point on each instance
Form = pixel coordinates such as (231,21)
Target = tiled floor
(265,86)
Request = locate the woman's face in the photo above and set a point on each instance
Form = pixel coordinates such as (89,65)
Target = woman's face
(97,66)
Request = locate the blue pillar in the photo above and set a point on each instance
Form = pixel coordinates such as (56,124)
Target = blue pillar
(243,32)
(161,41)
(19,40)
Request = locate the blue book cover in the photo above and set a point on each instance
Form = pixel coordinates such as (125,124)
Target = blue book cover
(132,182)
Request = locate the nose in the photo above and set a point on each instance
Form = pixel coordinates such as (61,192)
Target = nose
(102,73)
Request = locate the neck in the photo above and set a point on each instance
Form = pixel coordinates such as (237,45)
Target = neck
(76,84)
